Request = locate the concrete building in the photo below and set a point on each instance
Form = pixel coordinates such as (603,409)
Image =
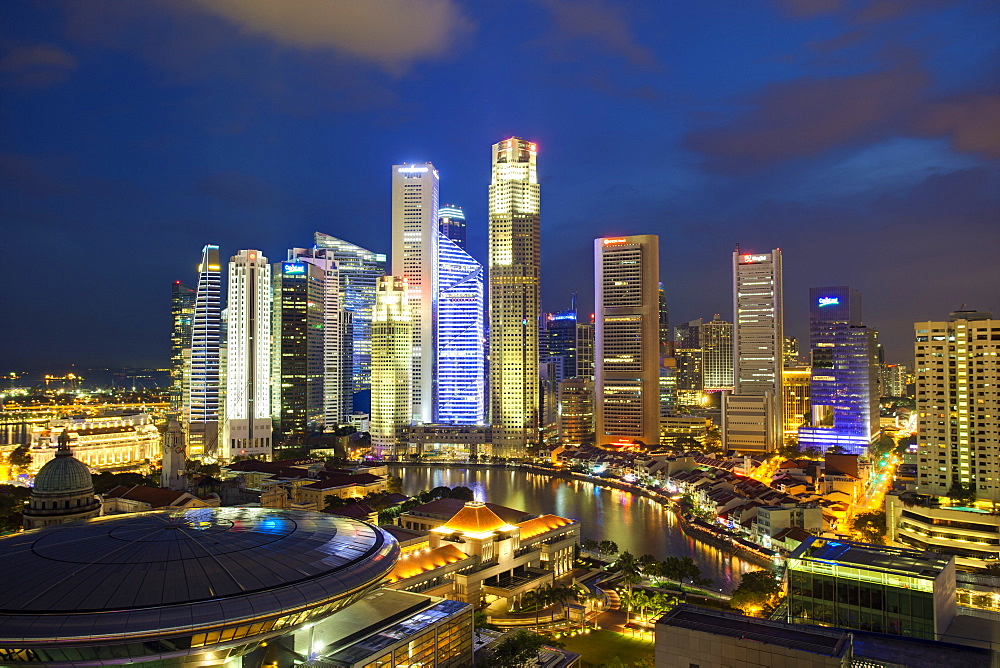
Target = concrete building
(448,442)
(63,491)
(201,404)
(182,301)
(576,410)
(752,414)
(451,223)
(247,420)
(514,295)
(415,250)
(920,522)
(717,354)
(688,357)
(795,384)
(391,365)
(174,455)
(958,404)
(627,359)
(100,442)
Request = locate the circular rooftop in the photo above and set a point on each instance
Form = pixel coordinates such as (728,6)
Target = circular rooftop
(64,473)
(178,570)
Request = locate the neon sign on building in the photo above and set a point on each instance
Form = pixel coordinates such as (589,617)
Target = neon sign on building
(828,301)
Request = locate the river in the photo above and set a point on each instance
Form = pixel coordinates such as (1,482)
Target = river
(635,523)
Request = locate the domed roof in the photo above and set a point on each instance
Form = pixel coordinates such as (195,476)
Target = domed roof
(475,517)
(64,474)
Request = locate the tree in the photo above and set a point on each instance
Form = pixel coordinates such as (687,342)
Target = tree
(589,545)
(333,502)
(836,450)
(20,458)
(629,567)
(482,622)
(394,484)
(12,500)
(756,591)
(959,493)
(463,493)
(515,649)
(608,547)
(871,526)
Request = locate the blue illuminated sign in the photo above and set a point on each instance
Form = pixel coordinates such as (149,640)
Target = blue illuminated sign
(292,268)
(828,301)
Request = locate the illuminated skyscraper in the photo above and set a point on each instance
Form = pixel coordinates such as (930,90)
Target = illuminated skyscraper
(795,393)
(576,410)
(627,340)
(958,404)
(452,223)
(688,354)
(415,257)
(247,426)
(202,402)
(514,295)
(558,341)
(666,343)
(752,418)
(359,270)
(392,366)
(790,352)
(844,386)
(461,359)
(182,300)
(717,354)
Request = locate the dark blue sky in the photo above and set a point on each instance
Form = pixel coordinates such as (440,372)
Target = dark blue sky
(861,138)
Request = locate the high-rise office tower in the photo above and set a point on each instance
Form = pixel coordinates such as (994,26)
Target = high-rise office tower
(688,354)
(514,295)
(627,341)
(452,223)
(358,270)
(666,342)
(202,401)
(668,387)
(795,397)
(790,351)
(461,359)
(247,425)
(336,336)
(844,386)
(576,410)
(717,354)
(892,380)
(558,341)
(752,418)
(182,299)
(415,257)
(392,366)
(958,404)
(585,348)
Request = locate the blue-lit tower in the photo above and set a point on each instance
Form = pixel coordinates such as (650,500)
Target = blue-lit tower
(461,372)
(843,386)
(451,222)
(202,400)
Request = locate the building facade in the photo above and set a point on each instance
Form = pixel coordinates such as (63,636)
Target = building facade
(182,301)
(358,271)
(717,354)
(452,223)
(958,404)
(392,366)
(688,357)
(416,257)
(514,295)
(101,442)
(795,397)
(627,340)
(576,410)
(844,386)
(247,423)
(461,340)
(752,418)
(202,402)
(63,491)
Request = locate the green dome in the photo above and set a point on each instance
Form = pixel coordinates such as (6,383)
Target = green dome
(65,473)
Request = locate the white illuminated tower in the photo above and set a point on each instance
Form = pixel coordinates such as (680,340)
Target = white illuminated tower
(392,366)
(514,295)
(717,354)
(247,427)
(752,414)
(201,403)
(415,249)
(627,339)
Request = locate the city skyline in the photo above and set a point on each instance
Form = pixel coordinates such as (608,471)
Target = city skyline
(677,115)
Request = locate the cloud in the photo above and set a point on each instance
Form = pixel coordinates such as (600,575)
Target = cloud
(807,116)
(972,122)
(600,24)
(38,66)
(393,33)
(811,8)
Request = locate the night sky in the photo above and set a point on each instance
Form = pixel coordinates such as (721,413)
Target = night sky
(862,139)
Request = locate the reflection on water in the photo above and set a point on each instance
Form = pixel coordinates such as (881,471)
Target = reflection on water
(634,522)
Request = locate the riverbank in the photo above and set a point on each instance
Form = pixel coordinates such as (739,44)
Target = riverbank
(706,534)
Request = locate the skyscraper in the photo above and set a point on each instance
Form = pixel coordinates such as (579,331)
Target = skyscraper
(415,257)
(451,221)
(202,402)
(958,404)
(844,386)
(182,300)
(627,341)
(514,295)
(717,354)
(688,354)
(576,410)
(752,413)
(666,343)
(461,381)
(358,270)
(795,396)
(392,366)
(247,427)
(558,341)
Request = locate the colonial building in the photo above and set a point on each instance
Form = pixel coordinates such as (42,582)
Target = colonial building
(63,492)
(109,441)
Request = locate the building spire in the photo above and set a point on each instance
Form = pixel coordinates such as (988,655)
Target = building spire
(63,450)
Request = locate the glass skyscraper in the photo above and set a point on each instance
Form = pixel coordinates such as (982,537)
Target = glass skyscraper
(202,400)
(182,299)
(452,223)
(461,381)
(844,386)
(359,270)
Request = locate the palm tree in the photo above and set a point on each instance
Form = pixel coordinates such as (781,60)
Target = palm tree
(630,569)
